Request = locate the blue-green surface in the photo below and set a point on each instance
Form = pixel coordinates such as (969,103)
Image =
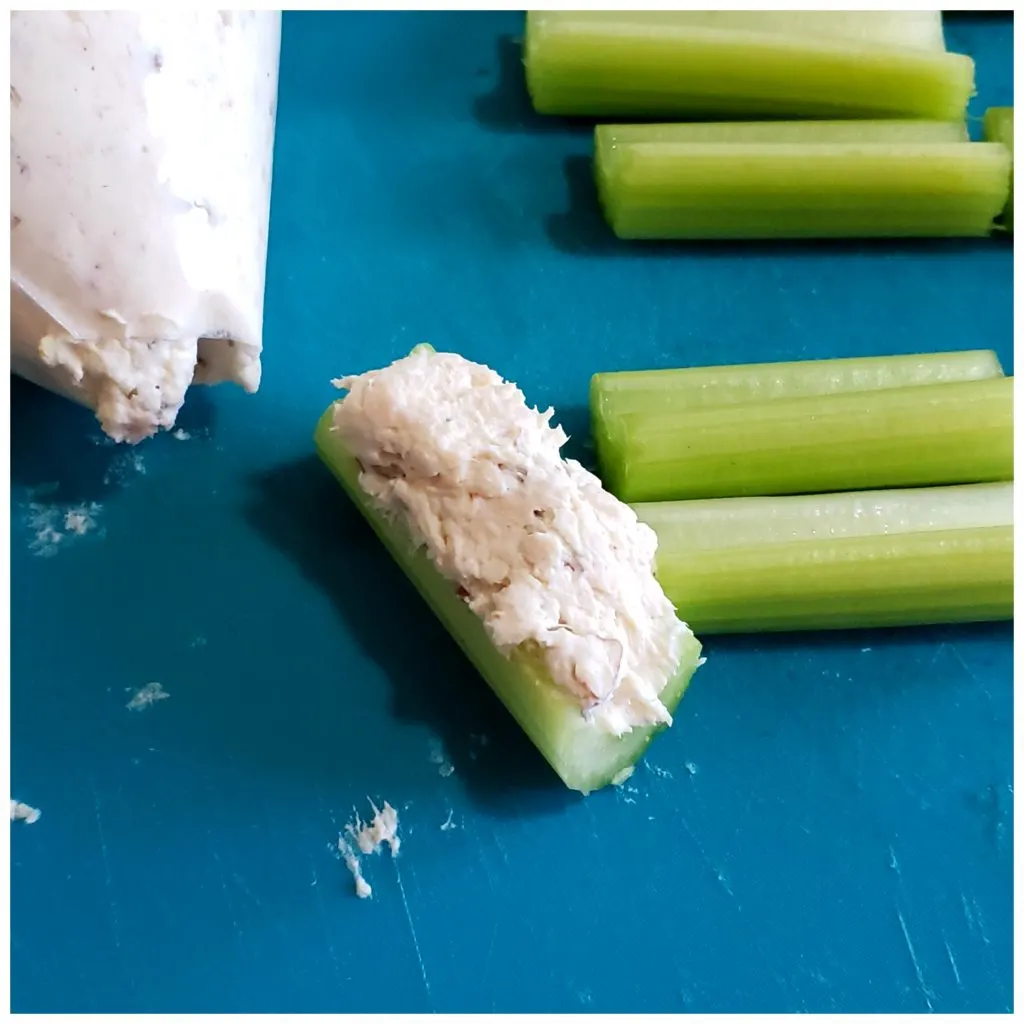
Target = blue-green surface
(827,827)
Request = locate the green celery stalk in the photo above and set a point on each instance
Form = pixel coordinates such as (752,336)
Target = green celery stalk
(998,127)
(920,30)
(892,437)
(584,757)
(741,64)
(725,182)
(860,132)
(613,394)
(883,558)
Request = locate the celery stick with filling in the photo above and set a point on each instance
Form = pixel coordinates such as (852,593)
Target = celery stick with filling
(998,127)
(545,580)
(735,64)
(953,433)
(798,180)
(882,558)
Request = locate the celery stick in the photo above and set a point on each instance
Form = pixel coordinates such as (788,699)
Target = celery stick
(894,437)
(654,187)
(715,523)
(700,64)
(883,558)
(585,758)
(888,132)
(613,394)
(998,127)
(913,29)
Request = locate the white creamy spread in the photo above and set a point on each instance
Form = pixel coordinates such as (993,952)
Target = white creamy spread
(369,838)
(141,150)
(549,560)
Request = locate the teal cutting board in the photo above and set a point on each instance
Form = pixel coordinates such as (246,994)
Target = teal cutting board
(829,824)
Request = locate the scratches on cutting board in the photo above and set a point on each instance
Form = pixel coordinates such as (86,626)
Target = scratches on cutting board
(412,933)
(486,974)
(108,877)
(718,872)
(918,972)
(500,846)
(108,881)
(928,993)
(959,659)
(228,902)
(953,963)
(894,864)
(972,913)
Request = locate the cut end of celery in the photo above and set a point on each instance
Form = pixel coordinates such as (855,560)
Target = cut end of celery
(998,127)
(586,758)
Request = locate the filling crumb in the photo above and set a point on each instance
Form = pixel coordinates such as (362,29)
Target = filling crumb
(368,838)
(22,812)
(149,694)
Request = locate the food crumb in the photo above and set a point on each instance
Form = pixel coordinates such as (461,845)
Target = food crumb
(181,435)
(692,768)
(440,758)
(382,828)
(447,825)
(363,889)
(368,838)
(620,777)
(149,694)
(51,524)
(124,466)
(22,812)
(78,521)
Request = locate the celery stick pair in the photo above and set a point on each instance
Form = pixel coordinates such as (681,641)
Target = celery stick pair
(911,177)
(820,560)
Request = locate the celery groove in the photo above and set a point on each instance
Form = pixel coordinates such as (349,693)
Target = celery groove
(893,437)
(809,180)
(744,64)
(998,127)
(585,758)
(884,558)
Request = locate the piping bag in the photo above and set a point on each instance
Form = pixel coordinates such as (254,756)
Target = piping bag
(141,157)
